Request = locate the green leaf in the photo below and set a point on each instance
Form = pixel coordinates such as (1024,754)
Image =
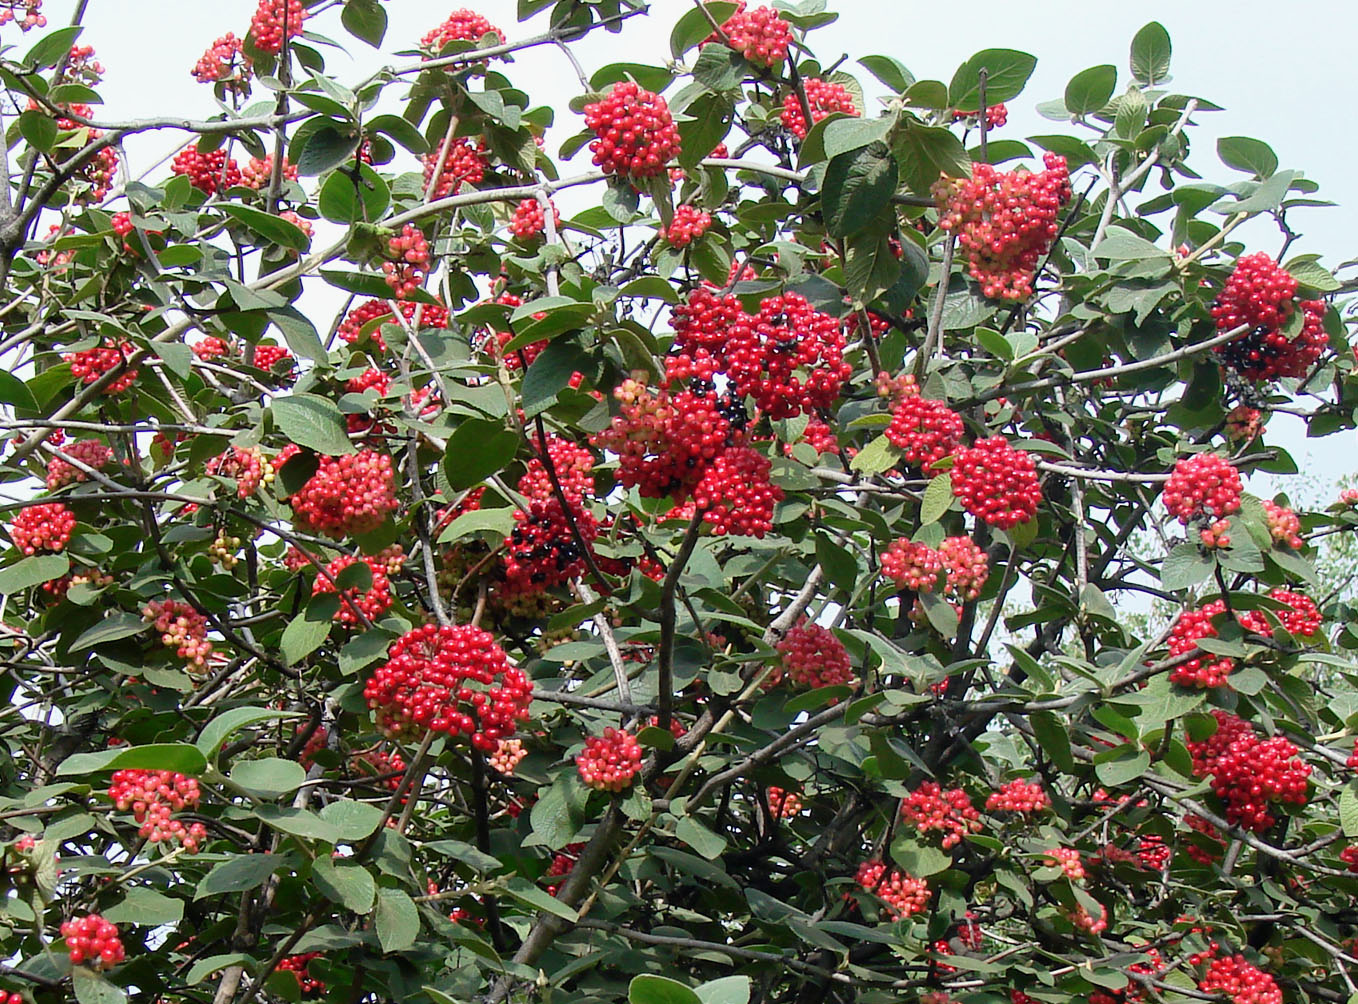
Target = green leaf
(847,134)
(1266,197)
(499,522)
(52,48)
(398,920)
(1089,90)
(719,69)
(346,198)
(649,989)
(92,988)
(179,757)
(38,129)
(15,392)
(121,625)
(700,838)
(1348,810)
(1159,702)
(621,201)
(694,26)
(1119,766)
(298,823)
(941,614)
(269,777)
(1120,244)
(299,333)
(145,907)
(889,71)
(344,881)
(1185,567)
(217,731)
(366,20)
(1253,156)
(240,873)
(401,131)
(878,456)
(1306,270)
(477,449)
(550,374)
(1054,738)
(32,571)
(352,820)
(312,421)
(531,896)
(920,860)
(1007,71)
(924,152)
(559,812)
(938,499)
(273,229)
(326,148)
(306,633)
(204,968)
(1151,50)
(871,268)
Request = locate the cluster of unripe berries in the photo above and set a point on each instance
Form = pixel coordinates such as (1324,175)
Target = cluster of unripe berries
(410,253)
(153,796)
(1283,525)
(635,135)
(258,173)
(181,628)
(247,464)
(1018,795)
(356,603)
(348,495)
(460,25)
(916,566)
(1068,860)
(274,21)
(823,97)
(997,483)
(760,35)
(92,939)
(1203,486)
(32,14)
(224,62)
(213,172)
(1261,295)
(351,328)
(462,163)
(904,895)
(529,220)
(609,762)
(508,753)
(1241,981)
(688,225)
(452,679)
(45,527)
(783,804)
(1005,221)
(811,656)
(946,810)
(1249,774)
(88,365)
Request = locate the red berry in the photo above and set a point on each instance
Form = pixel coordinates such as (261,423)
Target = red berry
(275,20)
(635,135)
(925,431)
(930,807)
(1260,294)
(45,527)
(1018,795)
(1203,485)
(824,97)
(904,895)
(352,327)
(349,495)
(609,762)
(997,483)
(812,656)
(211,172)
(461,25)
(688,225)
(92,939)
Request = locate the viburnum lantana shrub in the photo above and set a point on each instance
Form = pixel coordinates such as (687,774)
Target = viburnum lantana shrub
(688,540)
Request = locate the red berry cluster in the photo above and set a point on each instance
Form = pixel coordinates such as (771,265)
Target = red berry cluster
(181,628)
(299,222)
(89,365)
(1250,774)
(995,116)
(92,939)
(967,566)
(247,465)
(274,21)
(508,753)
(297,965)
(997,483)
(153,796)
(410,252)
(1203,855)
(1068,860)
(543,552)
(925,431)
(948,810)
(1018,795)
(735,495)
(1153,853)
(635,134)
(45,527)
(266,356)
(224,62)
(529,220)
(1243,423)
(1203,485)
(463,163)
(912,565)
(783,804)
(1005,222)
(388,768)
(760,35)
(351,328)
(688,225)
(1242,982)
(1082,920)
(1283,525)
(32,11)
(1260,294)
(89,452)
(211,172)
(349,495)
(563,863)
(449,679)
(1301,619)
(259,172)
(574,466)
(904,895)
(372,602)
(461,25)
(824,97)
(812,656)
(609,762)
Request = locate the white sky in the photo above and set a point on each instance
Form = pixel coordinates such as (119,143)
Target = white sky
(1284,73)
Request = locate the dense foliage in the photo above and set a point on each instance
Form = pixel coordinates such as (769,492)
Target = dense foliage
(716,573)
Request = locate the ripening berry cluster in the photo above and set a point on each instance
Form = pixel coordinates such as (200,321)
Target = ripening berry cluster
(88,365)
(266,356)
(689,223)
(32,14)
(947,810)
(811,656)
(212,173)
(1203,485)
(247,464)
(609,762)
(529,220)
(543,551)
(371,603)
(387,768)
(410,253)
(1018,795)
(508,753)
(224,62)
(574,467)
(1261,295)
(153,796)
(45,527)
(1005,222)
(997,483)
(274,21)
(1068,860)
(563,863)
(92,939)
(1241,981)
(297,965)
(904,895)
(181,628)
(452,679)
(1243,423)
(824,97)
(299,222)
(995,116)
(783,804)
(635,135)
(925,431)
(81,66)
(348,495)
(760,35)
(1302,619)
(912,565)
(463,163)
(91,453)
(735,495)
(1283,525)
(259,172)
(351,328)
(1083,920)
(460,26)
(1250,775)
